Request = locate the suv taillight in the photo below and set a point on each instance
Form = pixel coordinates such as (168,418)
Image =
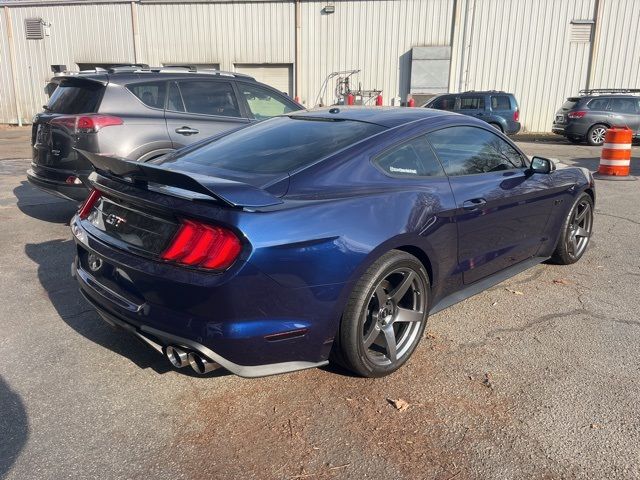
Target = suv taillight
(85,208)
(516,116)
(578,114)
(204,246)
(90,123)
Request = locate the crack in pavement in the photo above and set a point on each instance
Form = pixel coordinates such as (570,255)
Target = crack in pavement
(618,217)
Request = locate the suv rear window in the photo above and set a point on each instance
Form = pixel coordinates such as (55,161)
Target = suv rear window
(278,145)
(75,97)
(570,103)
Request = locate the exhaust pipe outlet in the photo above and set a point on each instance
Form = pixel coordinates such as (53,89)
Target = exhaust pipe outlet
(177,356)
(200,364)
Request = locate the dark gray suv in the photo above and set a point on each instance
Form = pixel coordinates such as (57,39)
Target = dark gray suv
(499,109)
(588,116)
(138,114)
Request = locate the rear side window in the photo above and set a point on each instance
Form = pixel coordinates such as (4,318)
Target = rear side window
(152,94)
(277,145)
(471,103)
(412,159)
(623,105)
(444,103)
(209,98)
(471,150)
(263,103)
(500,102)
(76,97)
(598,104)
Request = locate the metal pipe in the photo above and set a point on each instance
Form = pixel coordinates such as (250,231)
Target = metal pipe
(12,61)
(176,356)
(595,43)
(135,31)
(298,47)
(200,364)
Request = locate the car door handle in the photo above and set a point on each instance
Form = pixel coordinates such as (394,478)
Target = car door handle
(474,204)
(187,130)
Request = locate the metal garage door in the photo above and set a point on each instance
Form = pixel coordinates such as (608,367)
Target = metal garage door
(278,76)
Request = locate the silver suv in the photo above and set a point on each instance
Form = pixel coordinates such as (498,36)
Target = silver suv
(587,117)
(138,114)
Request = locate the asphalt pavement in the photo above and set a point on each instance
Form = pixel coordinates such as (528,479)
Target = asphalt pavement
(539,377)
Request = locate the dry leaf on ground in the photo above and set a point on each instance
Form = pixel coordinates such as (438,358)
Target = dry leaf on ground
(399,404)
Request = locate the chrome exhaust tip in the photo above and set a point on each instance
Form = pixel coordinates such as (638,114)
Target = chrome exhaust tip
(200,364)
(177,356)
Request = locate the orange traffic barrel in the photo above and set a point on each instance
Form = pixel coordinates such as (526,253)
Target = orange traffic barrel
(615,158)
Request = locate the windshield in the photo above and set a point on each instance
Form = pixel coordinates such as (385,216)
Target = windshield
(73,98)
(279,145)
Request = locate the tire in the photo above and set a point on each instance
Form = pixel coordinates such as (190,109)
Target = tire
(595,135)
(576,232)
(379,330)
(497,126)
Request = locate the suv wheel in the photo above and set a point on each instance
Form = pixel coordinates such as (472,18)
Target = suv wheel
(595,136)
(497,127)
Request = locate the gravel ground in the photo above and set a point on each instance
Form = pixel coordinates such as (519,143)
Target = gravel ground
(540,383)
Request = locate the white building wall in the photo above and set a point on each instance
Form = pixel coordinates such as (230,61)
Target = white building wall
(524,47)
(618,46)
(373,36)
(521,46)
(222,33)
(93,32)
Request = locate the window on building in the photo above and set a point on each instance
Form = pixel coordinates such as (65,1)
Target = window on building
(262,103)
(151,94)
(411,159)
(500,102)
(471,150)
(208,97)
(471,103)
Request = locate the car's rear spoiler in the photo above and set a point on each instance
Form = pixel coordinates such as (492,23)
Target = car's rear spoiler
(234,194)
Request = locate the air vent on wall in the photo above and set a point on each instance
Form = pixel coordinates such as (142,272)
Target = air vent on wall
(581,31)
(34,28)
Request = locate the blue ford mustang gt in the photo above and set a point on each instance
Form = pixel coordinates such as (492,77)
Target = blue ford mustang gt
(322,234)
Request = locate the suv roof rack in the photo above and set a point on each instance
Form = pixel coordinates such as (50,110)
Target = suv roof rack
(142,68)
(600,91)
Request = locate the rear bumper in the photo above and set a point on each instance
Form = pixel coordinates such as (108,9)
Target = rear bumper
(512,128)
(569,129)
(235,322)
(59,188)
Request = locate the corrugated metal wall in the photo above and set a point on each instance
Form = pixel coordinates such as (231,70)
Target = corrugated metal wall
(618,55)
(99,32)
(375,37)
(522,46)
(223,33)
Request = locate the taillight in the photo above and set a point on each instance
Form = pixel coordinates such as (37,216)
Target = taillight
(205,246)
(86,123)
(578,114)
(516,116)
(88,204)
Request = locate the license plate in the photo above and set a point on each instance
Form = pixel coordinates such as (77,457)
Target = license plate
(559,118)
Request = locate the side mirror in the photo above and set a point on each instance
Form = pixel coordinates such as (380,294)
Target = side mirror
(542,165)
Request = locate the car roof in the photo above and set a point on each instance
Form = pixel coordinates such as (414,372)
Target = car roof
(384,116)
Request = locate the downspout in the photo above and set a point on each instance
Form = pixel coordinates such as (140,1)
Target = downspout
(136,34)
(12,61)
(467,32)
(595,44)
(455,45)
(298,13)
